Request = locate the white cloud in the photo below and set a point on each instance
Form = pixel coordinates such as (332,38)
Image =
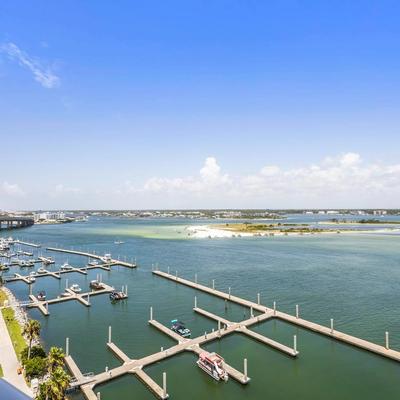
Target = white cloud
(345,180)
(61,189)
(43,75)
(12,189)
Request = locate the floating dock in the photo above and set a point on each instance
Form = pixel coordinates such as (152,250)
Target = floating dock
(94,256)
(383,351)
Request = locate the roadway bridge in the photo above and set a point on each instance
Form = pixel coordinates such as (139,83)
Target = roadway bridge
(15,222)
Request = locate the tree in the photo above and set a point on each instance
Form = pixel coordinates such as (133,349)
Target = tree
(55,359)
(55,387)
(36,351)
(31,331)
(35,367)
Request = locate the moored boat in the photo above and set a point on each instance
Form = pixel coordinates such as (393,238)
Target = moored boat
(66,267)
(213,364)
(75,288)
(180,328)
(41,296)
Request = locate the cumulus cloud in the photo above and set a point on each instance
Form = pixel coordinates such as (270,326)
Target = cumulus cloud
(43,75)
(345,178)
(61,189)
(12,189)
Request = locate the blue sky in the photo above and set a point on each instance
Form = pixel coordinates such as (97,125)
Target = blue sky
(199,104)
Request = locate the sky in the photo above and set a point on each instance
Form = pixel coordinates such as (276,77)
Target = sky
(199,104)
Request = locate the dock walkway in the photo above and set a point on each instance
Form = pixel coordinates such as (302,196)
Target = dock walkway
(383,351)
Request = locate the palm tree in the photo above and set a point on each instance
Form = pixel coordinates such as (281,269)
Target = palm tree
(31,331)
(58,384)
(55,359)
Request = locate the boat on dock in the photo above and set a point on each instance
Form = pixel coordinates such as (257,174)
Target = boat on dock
(115,296)
(46,260)
(96,284)
(93,263)
(41,270)
(66,267)
(180,328)
(106,258)
(76,288)
(32,277)
(41,296)
(26,263)
(213,365)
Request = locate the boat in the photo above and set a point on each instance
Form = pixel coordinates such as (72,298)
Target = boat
(31,278)
(213,364)
(66,267)
(65,294)
(75,288)
(46,260)
(106,258)
(24,263)
(119,242)
(41,270)
(115,296)
(41,296)
(93,263)
(180,328)
(96,285)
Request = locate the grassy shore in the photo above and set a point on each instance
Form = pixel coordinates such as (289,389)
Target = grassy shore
(13,327)
(268,228)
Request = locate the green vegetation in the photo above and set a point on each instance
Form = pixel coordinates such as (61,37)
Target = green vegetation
(31,331)
(36,351)
(14,330)
(363,221)
(54,388)
(35,367)
(1,372)
(3,297)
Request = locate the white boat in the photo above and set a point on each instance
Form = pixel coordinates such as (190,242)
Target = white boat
(75,288)
(106,258)
(66,267)
(93,263)
(41,270)
(213,364)
(119,242)
(46,260)
(65,294)
(31,277)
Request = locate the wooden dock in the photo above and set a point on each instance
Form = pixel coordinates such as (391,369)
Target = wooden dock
(383,351)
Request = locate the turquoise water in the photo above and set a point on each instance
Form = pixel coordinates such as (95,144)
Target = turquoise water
(354,279)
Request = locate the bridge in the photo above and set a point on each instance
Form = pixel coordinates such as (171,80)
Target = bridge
(15,222)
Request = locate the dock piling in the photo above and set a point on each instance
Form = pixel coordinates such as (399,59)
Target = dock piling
(164,376)
(245,368)
(274,307)
(67,346)
(205,335)
(219,328)
(229,292)
(213,284)
(331,326)
(98,395)
(297,311)
(387,340)
(176,275)
(168,270)
(258,298)
(109,334)
(251,312)
(151,313)
(195,301)
(295,343)
(30,289)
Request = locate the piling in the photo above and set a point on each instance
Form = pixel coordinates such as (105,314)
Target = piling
(331,326)
(258,298)
(297,311)
(295,343)
(219,328)
(176,275)
(67,346)
(98,396)
(109,334)
(387,340)
(195,301)
(245,368)
(213,284)
(164,378)
(229,292)
(274,307)
(251,312)
(151,313)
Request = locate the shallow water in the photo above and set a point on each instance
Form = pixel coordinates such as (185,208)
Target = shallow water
(354,279)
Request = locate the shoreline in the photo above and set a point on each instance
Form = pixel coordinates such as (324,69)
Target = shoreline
(217,232)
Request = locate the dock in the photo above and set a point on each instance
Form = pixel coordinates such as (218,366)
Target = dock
(193,345)
(94,256)
(17,241)
(382,350)
(83,298)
